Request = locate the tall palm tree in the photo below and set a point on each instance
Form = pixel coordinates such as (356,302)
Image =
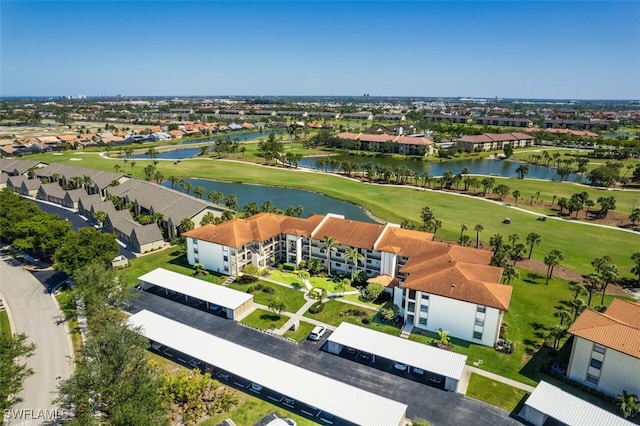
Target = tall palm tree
(231,201)
(478,228)
(557,332)
(352,254)
(509,272)
(174,180)
(533,239)
(215,197)
(563,314)
(463,228)
(552,260)
(437,224)
(330,244)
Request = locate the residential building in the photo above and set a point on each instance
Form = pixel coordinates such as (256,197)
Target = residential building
(606,349)
(435,285)
(504,121)
(494,141)
(407,145)
(458,119)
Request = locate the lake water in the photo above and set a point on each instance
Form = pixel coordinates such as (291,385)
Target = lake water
(476,166)
(182,153)
(282,198)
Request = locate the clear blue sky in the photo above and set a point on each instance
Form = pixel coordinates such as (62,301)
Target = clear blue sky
(576,50)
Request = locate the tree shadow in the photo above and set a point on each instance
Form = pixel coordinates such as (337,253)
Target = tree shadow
(533,278)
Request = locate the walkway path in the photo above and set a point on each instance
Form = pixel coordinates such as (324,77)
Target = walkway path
(35,313)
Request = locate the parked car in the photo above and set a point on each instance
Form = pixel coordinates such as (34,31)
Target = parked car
(255,387)
(288,401)
(400,366)
(417,370)
(317,332)
(350,351)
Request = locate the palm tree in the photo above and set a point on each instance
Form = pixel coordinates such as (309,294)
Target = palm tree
(174,180)
(478,228)
(628,404)
(199,191)
(557,332)
(509,272)
(463,228)
(563,314)
(133,164)
(577,306)
(516,195)
(609,274)
(116,167)
(186,225)
(533,239)
(352,254)
(231,201)
(330,244)
(552,260)
(437,224)
(215,197)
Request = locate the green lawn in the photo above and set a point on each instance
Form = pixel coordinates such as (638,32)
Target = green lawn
(68,305)
(334,314)
(329,284)
(495,393)
(301,333)
(285,278)
(397,204)
(173,259)
(530,316)
(265,320)
(5,327)
(292,299)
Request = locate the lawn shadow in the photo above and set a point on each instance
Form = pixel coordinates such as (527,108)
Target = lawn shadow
(270,317)
(533,278)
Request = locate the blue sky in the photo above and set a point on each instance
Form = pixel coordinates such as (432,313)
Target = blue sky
(576,50)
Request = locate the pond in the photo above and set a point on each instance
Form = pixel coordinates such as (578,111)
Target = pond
(182,153)
(282,198)
(477,166)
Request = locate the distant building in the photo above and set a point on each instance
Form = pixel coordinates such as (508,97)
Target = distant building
(494,141)
(389,143)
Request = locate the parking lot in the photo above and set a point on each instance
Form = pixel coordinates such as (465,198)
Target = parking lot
(437,406)
(187,301)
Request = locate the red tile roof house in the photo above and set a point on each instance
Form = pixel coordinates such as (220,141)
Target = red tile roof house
(176,134)
(435,285)
(389,143)
(606,349)
(494,141)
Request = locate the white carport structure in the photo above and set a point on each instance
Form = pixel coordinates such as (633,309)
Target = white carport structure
(549,401)
(345,402)
(436,363)
(235,303)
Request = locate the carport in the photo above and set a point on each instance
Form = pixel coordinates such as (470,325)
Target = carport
(548,401)
(436,367)
(234,304)
(311,394)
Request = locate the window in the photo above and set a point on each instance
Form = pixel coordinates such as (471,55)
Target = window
(412,295)
(423,321)
(599,349)
(424,308)
(225,248)
(481,309)
(480,322)
(425,296)
(195,242)
(592,379)
(596,363)
(225,258)
(477,335)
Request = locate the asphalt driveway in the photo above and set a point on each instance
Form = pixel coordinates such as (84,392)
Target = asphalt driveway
(437,406)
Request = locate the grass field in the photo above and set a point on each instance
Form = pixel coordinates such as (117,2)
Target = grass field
(397,204)
(301,333)
(173,259)
(265,320)
(495,393)
(292,299)
(5,327)
(334,314)
(286,278)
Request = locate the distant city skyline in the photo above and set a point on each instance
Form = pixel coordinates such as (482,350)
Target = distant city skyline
(532,50)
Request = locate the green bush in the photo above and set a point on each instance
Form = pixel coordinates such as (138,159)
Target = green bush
(246,279)
(288,266)
(317,307)
(366,320)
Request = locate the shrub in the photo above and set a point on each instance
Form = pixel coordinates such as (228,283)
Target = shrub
(268,290)
(317,307)
(246,279)
(366,320)
(389,313)
(251,289)
(372,291)
(288,266)
(354,312)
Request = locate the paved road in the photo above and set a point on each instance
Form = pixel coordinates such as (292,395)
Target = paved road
(437,406)
(34,313)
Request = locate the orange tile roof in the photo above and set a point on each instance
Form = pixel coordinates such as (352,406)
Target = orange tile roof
(618,328)
(349,232)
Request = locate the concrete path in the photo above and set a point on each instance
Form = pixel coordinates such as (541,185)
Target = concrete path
(35,313)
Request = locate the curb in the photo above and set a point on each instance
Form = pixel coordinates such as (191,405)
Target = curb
(72,354)
(8,310)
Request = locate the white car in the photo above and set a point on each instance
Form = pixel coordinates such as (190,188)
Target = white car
(317,332)
(400,366)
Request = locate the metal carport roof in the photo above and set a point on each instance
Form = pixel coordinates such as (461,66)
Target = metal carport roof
(331,396)
(419,355)
(196,288)
(570,409)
